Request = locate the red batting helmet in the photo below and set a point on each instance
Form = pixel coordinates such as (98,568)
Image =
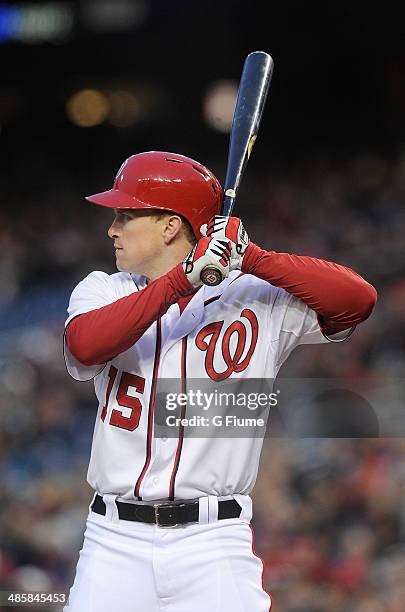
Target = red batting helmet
(165,181)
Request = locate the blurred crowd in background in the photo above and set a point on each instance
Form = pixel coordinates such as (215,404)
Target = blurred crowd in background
(329,513)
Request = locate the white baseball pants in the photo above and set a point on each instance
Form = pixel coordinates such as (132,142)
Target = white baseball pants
(208,566)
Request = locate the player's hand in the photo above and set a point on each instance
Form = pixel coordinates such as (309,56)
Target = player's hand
(212,252)
(229,228)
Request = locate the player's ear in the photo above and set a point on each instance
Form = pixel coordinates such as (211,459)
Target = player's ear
(171,227)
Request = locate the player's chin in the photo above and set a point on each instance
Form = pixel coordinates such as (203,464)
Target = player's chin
(120,263)
(123,265)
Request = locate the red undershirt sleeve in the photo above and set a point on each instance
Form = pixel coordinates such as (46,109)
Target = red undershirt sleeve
(98,336)
(340,297)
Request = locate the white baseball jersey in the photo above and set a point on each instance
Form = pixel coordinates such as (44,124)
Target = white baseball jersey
(243,328)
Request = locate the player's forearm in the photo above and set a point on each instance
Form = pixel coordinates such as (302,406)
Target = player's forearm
(340,296)
(100,335)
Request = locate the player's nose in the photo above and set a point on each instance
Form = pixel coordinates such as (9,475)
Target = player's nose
(113,230)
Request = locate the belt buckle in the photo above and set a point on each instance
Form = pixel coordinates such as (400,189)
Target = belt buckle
(157,517)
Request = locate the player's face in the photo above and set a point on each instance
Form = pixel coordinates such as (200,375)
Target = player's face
(137,240)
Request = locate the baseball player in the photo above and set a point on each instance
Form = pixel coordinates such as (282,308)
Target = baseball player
(169,524)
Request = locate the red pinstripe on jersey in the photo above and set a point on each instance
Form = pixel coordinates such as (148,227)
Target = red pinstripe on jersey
(183,413)
(151,409)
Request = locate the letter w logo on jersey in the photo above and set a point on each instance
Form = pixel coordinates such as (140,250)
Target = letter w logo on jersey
(235,362)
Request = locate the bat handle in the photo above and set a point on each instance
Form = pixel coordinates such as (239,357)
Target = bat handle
(211,276)
(228,202)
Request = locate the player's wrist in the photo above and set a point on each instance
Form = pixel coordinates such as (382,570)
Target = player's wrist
(179,281)
(250,258)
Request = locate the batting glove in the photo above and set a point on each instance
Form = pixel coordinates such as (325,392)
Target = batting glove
(229,228)
(211,252)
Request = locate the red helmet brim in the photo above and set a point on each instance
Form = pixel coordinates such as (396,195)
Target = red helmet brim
(116,199)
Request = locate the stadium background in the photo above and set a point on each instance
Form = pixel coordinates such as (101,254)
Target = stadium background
(84,85)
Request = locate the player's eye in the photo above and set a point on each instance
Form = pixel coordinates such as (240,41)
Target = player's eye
(122,217)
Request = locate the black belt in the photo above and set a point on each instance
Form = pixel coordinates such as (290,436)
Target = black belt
(166,515)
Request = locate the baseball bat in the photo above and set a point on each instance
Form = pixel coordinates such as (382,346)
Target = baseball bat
(253,89)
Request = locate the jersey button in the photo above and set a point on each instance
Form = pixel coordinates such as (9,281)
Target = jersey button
(164,439)
(155,481)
